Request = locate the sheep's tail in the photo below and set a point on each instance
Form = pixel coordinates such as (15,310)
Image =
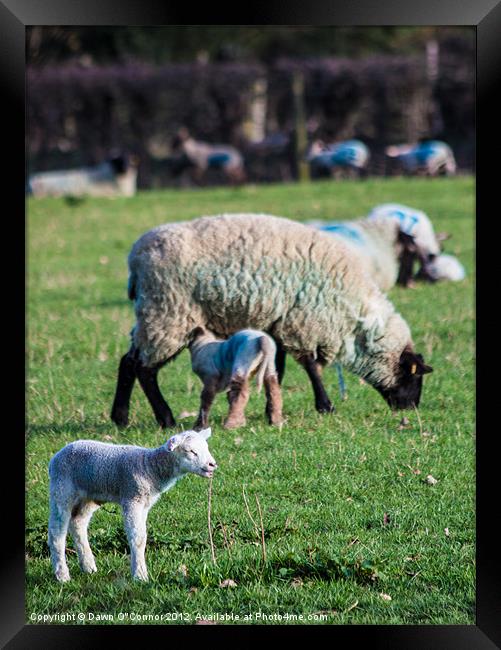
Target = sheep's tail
(267,365)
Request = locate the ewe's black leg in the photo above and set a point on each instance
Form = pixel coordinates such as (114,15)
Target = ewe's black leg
(280,362)
(125,384)
(313,368)
(148,379)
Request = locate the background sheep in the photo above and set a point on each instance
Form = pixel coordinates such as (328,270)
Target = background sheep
(383,249)
(117,176)
(223,365)
(429,157)
(325,159)
(204,156)
(86,473)
(301,286)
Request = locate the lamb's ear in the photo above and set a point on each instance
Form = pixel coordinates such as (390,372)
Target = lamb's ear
(413,364)
(174,442)
(206,433)
(443,236)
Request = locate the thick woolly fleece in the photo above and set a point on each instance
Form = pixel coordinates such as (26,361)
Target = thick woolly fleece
(375,242)
(230,272)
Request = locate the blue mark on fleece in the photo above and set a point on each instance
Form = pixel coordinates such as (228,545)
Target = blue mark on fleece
(345,231)
(407,220)
(218,159)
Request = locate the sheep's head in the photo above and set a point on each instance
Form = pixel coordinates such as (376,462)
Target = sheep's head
(405,393)
(192,452)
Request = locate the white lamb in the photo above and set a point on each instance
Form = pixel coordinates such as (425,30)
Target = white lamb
(86,473)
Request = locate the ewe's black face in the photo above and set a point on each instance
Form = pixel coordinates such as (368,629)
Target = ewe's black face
(407,391)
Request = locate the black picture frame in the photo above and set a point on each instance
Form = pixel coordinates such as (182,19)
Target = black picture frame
(485,15)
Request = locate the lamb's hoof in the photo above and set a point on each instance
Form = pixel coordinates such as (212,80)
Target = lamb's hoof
(89,568)
(120,417)
(63,576)
(140,576)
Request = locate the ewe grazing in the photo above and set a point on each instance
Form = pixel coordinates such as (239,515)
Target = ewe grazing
(85,474)
(301,286)
(228,365)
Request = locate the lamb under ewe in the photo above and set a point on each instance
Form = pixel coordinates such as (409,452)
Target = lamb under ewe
(86,473)
(228,365)
(301,286)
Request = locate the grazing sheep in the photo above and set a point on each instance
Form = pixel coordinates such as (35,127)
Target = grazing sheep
(204,156)
(428,157)
(303,287)
(85,474)
(324,158)
(114,177)
(228,365)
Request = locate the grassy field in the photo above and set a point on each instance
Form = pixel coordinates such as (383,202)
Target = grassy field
(354,534)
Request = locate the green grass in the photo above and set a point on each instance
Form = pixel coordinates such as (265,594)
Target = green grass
(347,512)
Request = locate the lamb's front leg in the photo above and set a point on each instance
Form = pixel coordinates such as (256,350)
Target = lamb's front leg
(135,514)
(273,399)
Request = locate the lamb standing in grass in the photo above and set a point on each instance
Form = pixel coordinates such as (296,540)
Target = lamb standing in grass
(86,473)
(228,365)
(303,287)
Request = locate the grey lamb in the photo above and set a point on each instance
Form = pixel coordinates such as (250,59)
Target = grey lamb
(85,474)
(228,365)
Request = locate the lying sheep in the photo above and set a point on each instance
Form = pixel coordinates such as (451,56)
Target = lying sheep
(303,287)
(85,474)
(114,177)
(228,365)
(428,157)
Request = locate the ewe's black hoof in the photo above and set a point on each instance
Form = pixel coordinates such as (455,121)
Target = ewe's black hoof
(120,418)
(326,408)
(166,424)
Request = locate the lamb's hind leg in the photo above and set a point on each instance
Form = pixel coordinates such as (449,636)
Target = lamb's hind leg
(314,369)
(59,519)
(238,396)
(273,399)
(149,383)
(80,518)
